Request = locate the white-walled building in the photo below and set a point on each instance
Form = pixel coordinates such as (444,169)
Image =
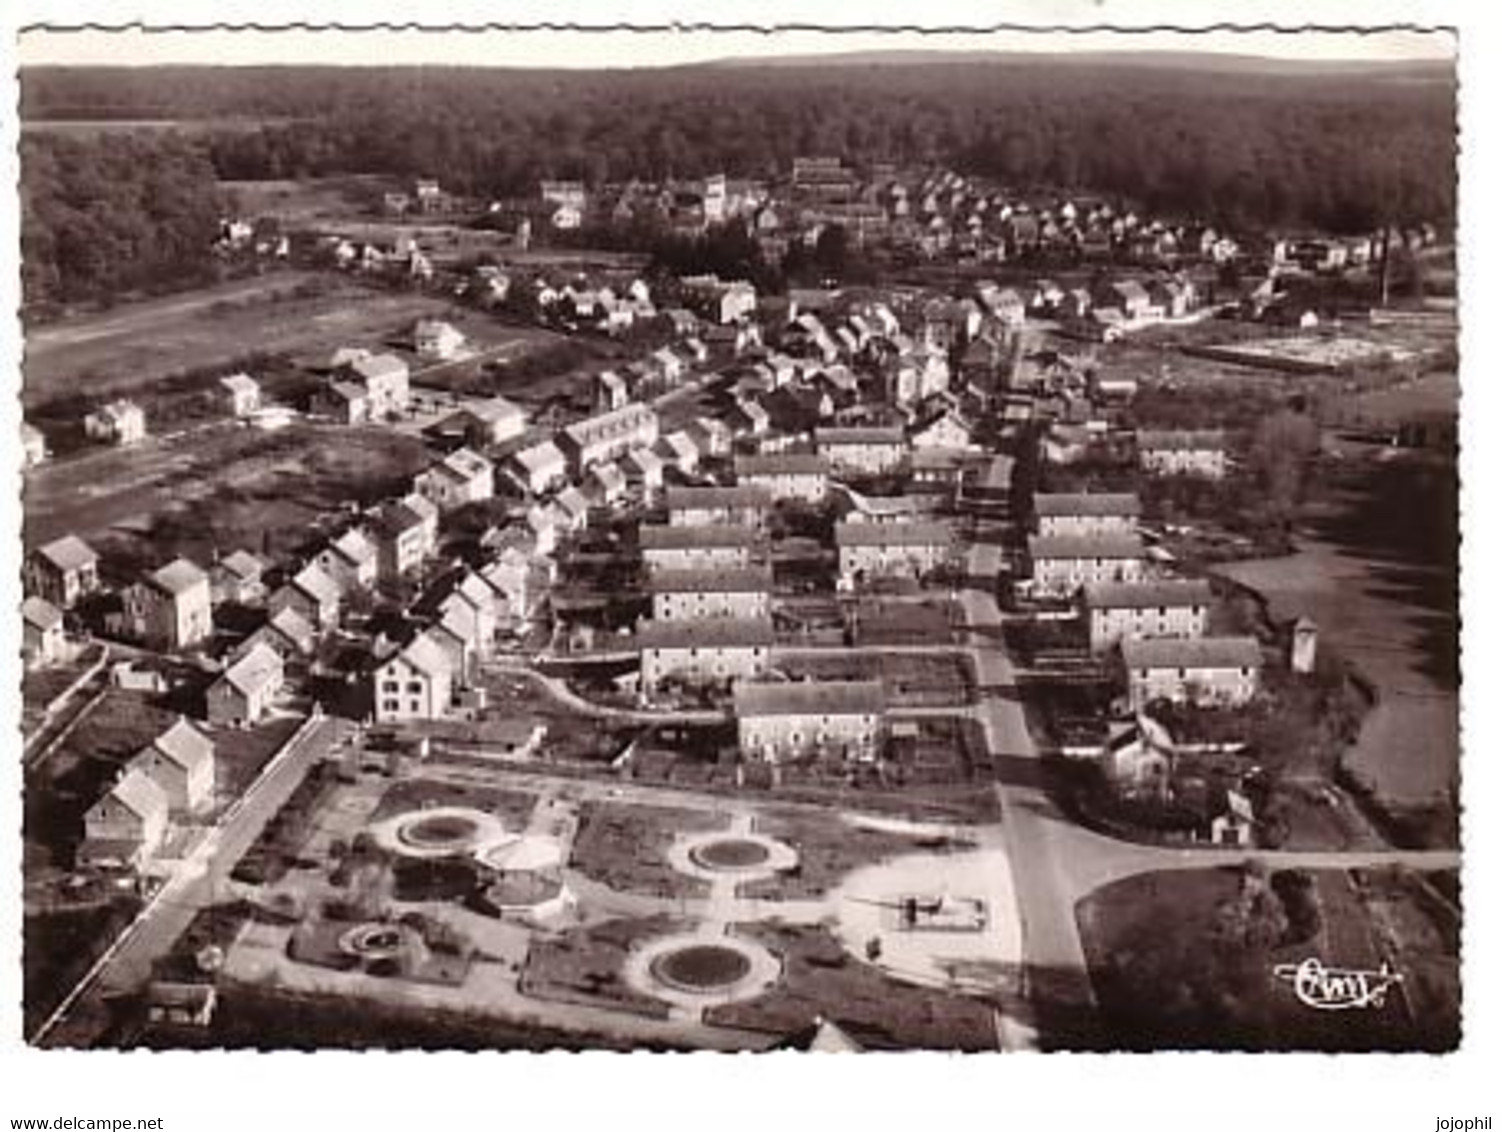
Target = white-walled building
(703,652)
(803,476)
(416,683)
(1119,611)
(1182,452)
(698,548)
(707,595)
(1062,564)
(890,550)
(742,505)
(779,723)
(1223,671)
(1087,514)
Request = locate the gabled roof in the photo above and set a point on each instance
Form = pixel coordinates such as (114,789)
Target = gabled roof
(258,667)
(178,577)
(891,434)
(468,463)
(573,502)
(68,553)
(1083,546)
(719,632)
(1089,504)
(781,464)
(542,457)
(378,367)
(185,745)
(243,565)
(240,383)
(426,655)
(1147,595)
(1198,652)
(139,794)
(609,476)
(496,409)
(892,534)
(292,625)
(313,581)
(701,498)
(749,579)
(395,518)
(822,697)
(642,460)
(355,547)
(41,614)
(654,536)
(1181,440)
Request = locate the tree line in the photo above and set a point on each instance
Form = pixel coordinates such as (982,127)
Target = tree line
(1339,152)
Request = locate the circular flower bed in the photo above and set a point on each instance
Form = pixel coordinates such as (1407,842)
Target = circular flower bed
(439,831)
(730,854)
(701,967)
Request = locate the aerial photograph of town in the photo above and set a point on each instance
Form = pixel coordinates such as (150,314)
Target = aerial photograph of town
(871,550)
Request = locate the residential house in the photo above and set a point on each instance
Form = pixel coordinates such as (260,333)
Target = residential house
(437,341)
(1182,452)
(572,506)
(608,436)
(242,393)
(1062,564)
(243,695)
(127,825)
(62,571)
(943,428)
(344,401)
(490,422)
(890,550)
(862,451)
(33,445)
(238,578)
(386,382)
(742,505)
(286,632)
(698,548)
(1086,514)
(802,476)
(747,418)
(353,560)
(679,451)
(1118,611)
(610,392)
(313,593)
(703,595)
(643,469)
(538,469)
(119,423)
(703,652)
(606,483)
(181,761)
(415,683)
(511,578)
(460,478)
(1222,671)
(43,639)
(402,539)
(786,722)
(171,609)
(713,438)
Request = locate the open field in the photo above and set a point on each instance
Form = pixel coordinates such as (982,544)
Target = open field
(220,486)
(1386,593)
(303,316)
(1162,984)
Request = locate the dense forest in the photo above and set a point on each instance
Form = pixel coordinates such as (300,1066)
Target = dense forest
(111,214)
(1337,151)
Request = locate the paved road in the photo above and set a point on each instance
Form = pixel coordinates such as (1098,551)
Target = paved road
(198,881)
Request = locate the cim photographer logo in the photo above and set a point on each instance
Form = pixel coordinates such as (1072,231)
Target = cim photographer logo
(1338,988)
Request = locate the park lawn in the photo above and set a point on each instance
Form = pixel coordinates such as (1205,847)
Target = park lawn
(299,314)
(822,981)
(1166,975)
(226,488)
(585,965)
(513,807)
(624,846)
(829,848)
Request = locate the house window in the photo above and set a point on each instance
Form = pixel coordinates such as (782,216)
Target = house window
(391,686)
(391,706)
(414,687)
(415,706)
